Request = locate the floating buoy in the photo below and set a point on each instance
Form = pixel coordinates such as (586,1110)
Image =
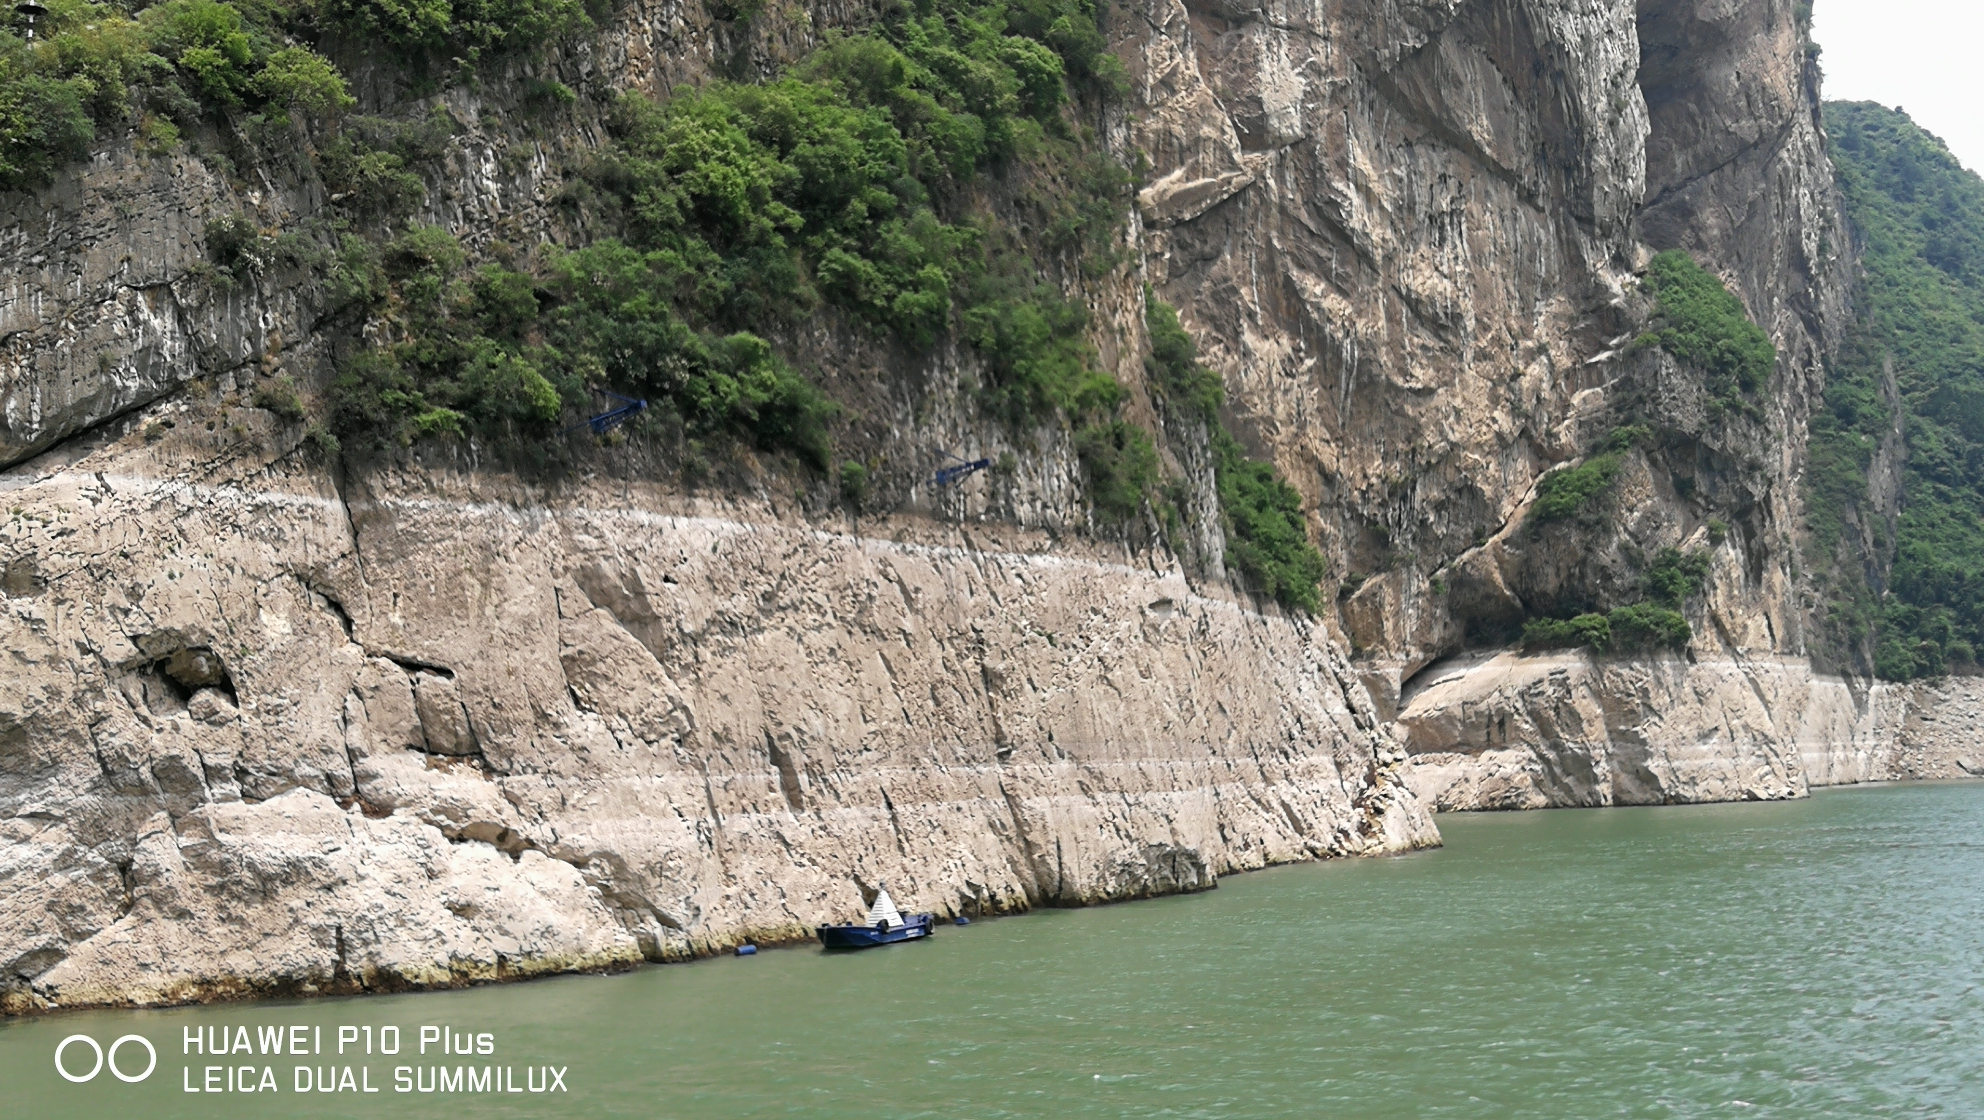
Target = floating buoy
(960,920)
(747,950)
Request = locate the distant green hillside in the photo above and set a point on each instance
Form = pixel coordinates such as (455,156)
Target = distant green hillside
(1918,602)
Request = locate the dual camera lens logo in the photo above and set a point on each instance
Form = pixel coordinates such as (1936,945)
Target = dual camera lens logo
(105,1058)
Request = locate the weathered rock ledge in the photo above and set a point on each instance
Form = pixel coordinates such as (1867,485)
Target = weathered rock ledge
(262,737)
(1514,731)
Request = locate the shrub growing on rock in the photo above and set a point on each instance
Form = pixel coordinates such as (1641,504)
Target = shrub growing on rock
(1120,463)
(1675,577)
(1637,628)
(1267,538)
(464,29)
(1174,366)
(1593,630)
(1647,626)
(1698,320)
(93,65)
(1564,493)
(43,123)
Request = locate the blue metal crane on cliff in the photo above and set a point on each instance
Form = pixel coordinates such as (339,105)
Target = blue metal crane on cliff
(959,470)
(612,417)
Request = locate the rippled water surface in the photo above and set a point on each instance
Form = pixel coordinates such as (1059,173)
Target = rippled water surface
(1810,959)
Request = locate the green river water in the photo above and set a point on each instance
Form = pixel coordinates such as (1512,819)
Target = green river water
(1805,959)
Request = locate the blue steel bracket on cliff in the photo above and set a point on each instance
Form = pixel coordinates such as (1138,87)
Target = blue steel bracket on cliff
(962,470)
(612,418)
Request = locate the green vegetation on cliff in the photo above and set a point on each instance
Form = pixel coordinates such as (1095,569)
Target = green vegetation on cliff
(1119,461)
(1573,490)
(463,30)
(928,180)
(497,351)
(861,179)
(1173,365)
(167,67)
(1697,319)
(1267,536)
(1635,629)
(1668,580)
(1918,600)
(734,211)
(1672,578)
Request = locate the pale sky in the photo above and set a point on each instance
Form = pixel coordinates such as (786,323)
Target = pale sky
(1923,55)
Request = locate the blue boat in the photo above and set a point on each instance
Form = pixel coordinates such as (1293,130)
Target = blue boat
(884,926)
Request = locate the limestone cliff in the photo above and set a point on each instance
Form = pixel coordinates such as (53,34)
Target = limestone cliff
(287,722)
(1420,278)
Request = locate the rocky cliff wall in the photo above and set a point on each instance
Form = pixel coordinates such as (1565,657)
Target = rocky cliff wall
(1414,249)
(265,736)
(1501,731)
(282,723)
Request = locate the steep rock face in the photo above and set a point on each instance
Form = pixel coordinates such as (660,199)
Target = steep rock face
(1403,290)
(1938,738)
(1506,731)
(268,738)
(106,306)
(1737,175)
(1409,235)
(278,724)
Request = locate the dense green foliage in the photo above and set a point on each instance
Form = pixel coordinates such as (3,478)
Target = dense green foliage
(854,180)
(98,65)
(369,165)
(761,198)
(834,182)
(1564,493)
(459,361)
(460,29)
(42,122)
(1636,628)
(926,177)
(168,66)
(1698,320)
(1120,463)
(1590,630)
(1267,539)
(501,352)
(1040,360)
(1174,366)
(1674,577)
(1645,626)
(1920,216)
